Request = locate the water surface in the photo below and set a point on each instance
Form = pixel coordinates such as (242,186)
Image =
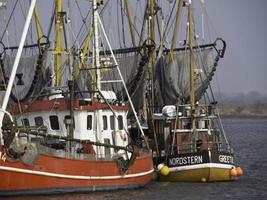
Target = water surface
(248,137)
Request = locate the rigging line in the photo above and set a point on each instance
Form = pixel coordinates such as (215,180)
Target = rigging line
(63,68)
(179,82)
(183,68)
(80,11)
(65,33)
(143,25)
(168,22)
(24,16)
(137,20)
(209,19)
(204,98)
(209,83)
(22,11)
(202,84)
(158,25)
(209,34)
(168,30)
(205,72)
(122,26)
(219,121)
(70,28)
(74,36)
(109,24)
(219,90)
(202,20)
(88,14)
(31,27)
(51,20)
(15,32)
(118,25)
(83,20)
(2,74)
(132,24)
(9,19)
(199,56)
(211,92)
(19,105)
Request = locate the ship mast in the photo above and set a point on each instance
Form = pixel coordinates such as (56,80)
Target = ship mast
(151,23)
(58,49)
(191,69)
(96,65)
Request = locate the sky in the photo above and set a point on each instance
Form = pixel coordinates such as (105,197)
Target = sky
(242,23)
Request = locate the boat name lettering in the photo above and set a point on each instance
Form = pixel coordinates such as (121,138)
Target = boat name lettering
(189,160)
(226,159)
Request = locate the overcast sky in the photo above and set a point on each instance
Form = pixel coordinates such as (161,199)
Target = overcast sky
(243,24)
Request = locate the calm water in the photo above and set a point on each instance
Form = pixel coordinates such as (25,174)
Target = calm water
(249,139)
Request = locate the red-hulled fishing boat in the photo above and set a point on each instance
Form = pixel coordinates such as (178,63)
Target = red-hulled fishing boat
(60,142)
(50,162)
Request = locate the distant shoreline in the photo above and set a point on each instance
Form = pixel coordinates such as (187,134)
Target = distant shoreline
(244,116)
(243,109)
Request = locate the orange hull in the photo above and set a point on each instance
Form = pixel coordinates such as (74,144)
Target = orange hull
(53,175)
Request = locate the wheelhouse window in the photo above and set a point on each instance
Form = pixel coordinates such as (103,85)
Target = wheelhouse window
(54,122)
(39,121)
(112,122)
(67,121)
(105,122)
(25,122)
(120,122)
(89,122)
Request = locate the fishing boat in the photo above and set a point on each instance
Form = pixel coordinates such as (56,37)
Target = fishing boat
(58,138)
(187,135)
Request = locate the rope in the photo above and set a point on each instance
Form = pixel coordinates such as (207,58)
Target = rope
(9,19)
(118,25)
(168,22)
(122,25)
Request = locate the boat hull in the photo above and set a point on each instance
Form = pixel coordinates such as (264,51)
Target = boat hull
(205,174)
(206,166)
(55,175)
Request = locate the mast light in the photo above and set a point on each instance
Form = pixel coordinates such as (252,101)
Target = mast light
(2,4)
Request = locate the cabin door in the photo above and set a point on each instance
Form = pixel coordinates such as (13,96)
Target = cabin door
(106,133)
